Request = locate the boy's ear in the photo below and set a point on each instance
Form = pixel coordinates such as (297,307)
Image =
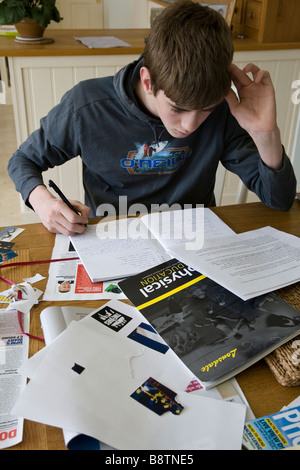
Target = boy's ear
(146,80)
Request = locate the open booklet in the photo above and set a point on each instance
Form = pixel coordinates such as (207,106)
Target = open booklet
(120,248)
(248,264)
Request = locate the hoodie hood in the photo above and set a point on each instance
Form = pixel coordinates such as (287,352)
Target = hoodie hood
(124,83)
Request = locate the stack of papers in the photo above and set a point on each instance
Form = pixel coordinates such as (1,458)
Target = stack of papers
(127,388)
(248,264)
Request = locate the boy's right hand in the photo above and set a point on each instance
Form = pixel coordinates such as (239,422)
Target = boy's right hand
(55,215)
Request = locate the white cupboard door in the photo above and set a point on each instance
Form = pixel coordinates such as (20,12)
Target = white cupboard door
(79,14)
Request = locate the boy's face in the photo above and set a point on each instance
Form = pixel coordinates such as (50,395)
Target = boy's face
(179,122)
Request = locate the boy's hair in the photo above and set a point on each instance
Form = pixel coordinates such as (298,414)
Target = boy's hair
(188,53)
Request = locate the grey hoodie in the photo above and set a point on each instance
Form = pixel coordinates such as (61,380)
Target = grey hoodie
(126,152)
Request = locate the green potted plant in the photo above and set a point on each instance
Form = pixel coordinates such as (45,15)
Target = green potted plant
(30,17)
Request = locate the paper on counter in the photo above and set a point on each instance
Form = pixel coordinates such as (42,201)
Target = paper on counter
(102,42)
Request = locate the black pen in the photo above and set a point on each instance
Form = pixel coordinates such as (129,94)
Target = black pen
(63,197)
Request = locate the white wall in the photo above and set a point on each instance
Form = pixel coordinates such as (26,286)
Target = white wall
(110,14)
(125,13)
(116,13)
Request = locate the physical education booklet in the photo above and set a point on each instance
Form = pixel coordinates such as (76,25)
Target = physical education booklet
(116,249)
(214,332)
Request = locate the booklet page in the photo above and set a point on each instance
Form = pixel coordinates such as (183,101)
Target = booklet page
(248,264)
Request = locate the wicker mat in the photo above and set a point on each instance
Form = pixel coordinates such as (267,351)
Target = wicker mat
(284,362)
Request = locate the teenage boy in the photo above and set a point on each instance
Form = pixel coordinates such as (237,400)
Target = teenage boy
(156,131)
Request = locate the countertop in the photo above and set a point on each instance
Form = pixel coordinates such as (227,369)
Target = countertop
(65,45)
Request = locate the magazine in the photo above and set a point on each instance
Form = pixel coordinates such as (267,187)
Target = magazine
(273,432)
(214,332)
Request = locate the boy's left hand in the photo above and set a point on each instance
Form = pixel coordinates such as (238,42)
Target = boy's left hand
(255,111)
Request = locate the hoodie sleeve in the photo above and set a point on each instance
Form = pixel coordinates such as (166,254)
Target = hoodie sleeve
(275,188)
(51,145)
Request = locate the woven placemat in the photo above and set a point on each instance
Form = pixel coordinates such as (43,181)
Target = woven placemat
(284,362)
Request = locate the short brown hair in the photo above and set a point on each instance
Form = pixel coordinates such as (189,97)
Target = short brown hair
(188,53)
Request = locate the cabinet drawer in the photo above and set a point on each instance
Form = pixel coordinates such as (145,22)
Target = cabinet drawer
(253,14)
(237,14)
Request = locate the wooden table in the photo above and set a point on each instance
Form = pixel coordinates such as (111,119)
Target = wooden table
(264,393)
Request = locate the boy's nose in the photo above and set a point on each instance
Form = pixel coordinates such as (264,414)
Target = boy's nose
(191,120)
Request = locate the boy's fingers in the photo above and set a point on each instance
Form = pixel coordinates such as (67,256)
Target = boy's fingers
(239,77)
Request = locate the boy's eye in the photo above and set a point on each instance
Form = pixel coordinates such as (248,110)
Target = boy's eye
(176,110)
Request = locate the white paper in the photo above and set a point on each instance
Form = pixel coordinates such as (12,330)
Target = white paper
(30,296)
(248,264)
(97,402)
(102,41)
(188,226)
(36,278)
(127,250)
(9,233)
(54,320)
